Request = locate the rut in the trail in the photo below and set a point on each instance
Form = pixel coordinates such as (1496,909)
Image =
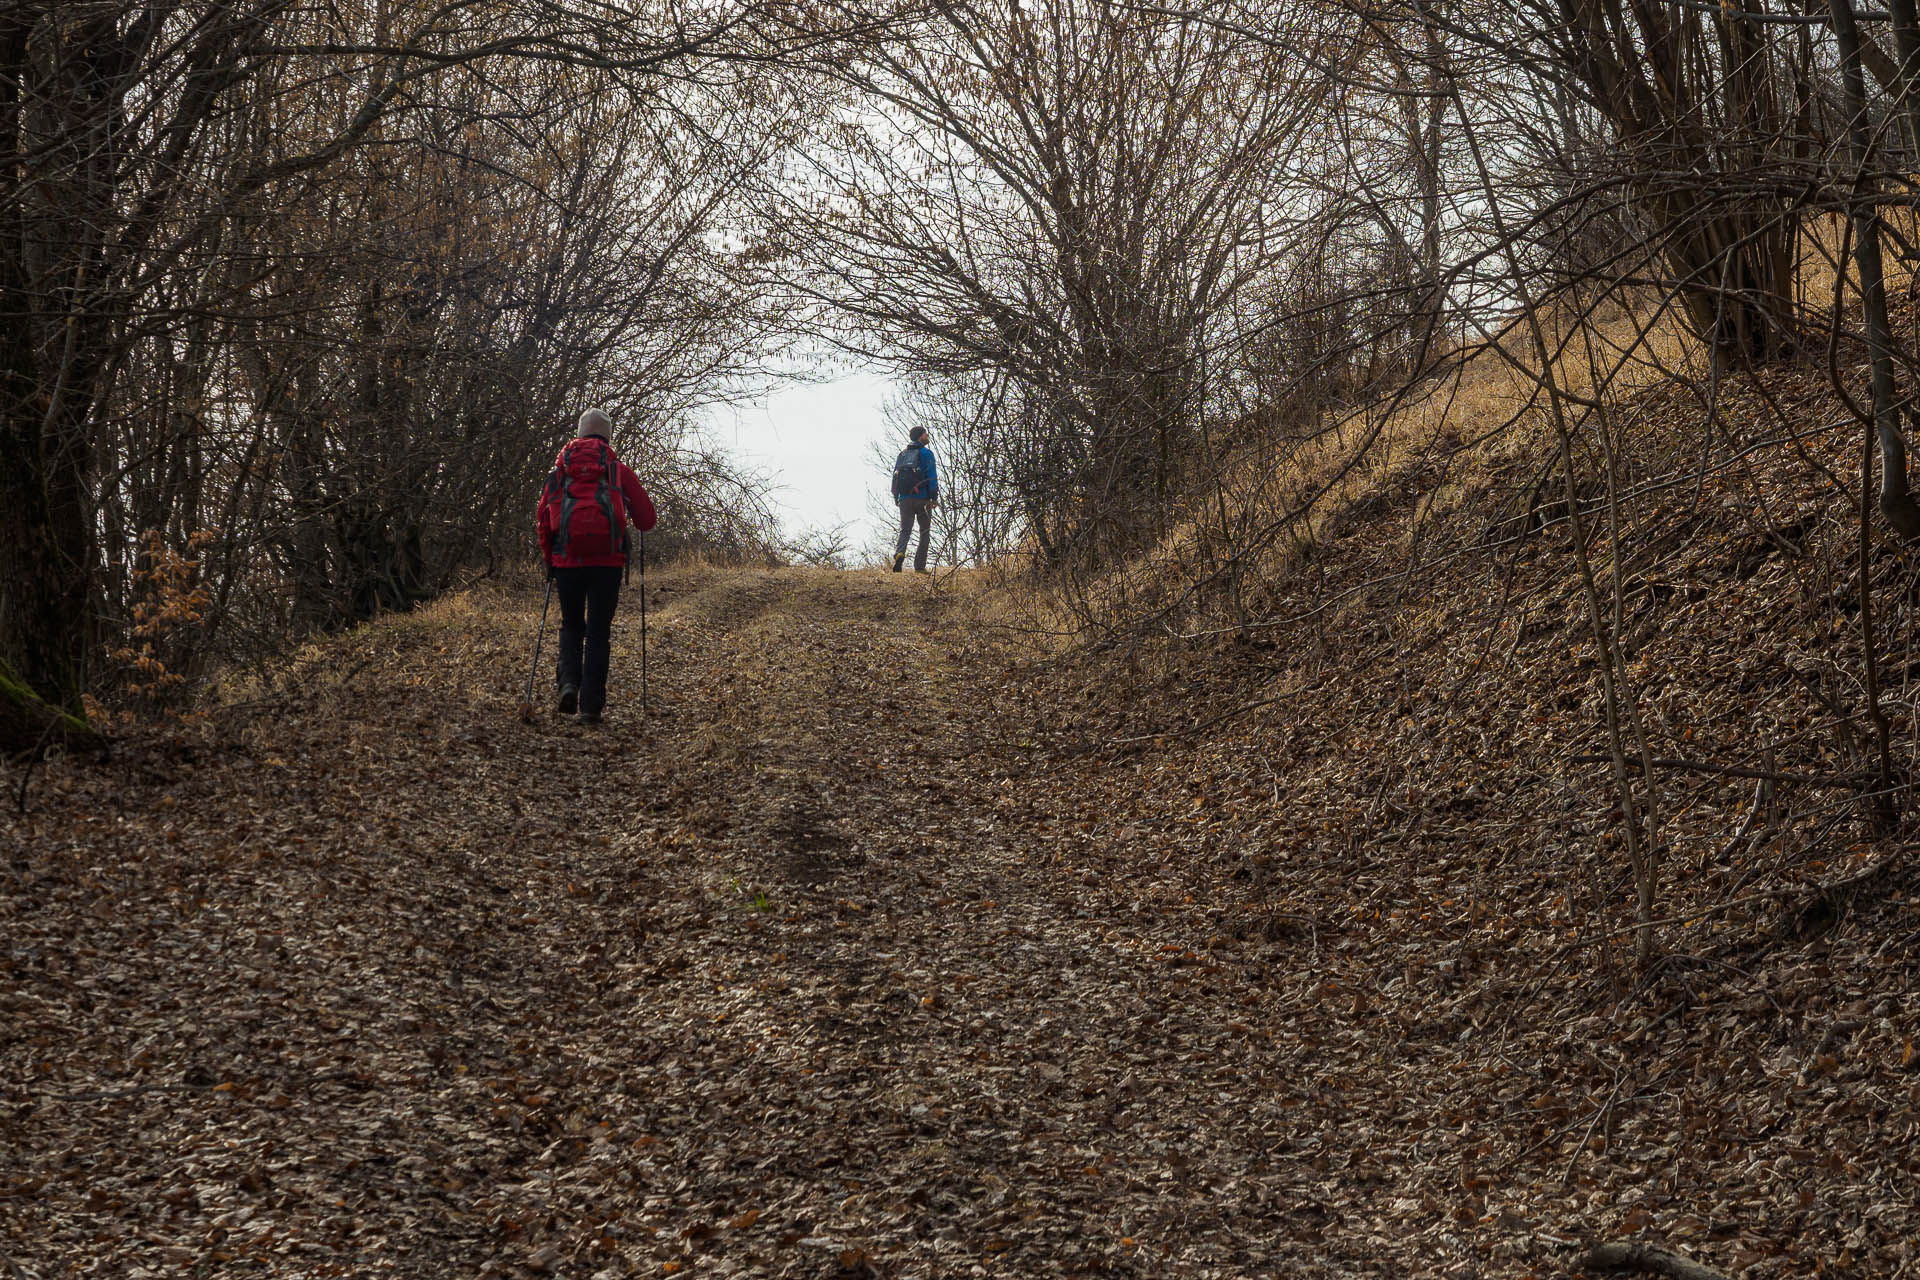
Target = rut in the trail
(902,1028)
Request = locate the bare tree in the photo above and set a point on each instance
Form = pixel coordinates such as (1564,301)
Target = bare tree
(1065,197)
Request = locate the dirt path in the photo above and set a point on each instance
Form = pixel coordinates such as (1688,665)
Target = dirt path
(789,979)
(906,1036)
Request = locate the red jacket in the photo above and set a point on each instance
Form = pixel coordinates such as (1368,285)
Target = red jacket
(586,480)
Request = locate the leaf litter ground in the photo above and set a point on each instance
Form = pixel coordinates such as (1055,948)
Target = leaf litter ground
(880,949)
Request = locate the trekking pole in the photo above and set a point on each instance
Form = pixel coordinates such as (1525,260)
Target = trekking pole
(643,625)
(526,704)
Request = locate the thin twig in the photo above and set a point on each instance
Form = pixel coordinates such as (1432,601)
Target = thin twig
(1600,1113)
(1744,771)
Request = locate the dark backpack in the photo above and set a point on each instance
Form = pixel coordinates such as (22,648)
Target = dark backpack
(592,520)
(909,473)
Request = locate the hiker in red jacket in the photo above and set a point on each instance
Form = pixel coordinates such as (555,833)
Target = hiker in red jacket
(589,498)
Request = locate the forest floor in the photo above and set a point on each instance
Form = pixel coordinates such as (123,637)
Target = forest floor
(886,945)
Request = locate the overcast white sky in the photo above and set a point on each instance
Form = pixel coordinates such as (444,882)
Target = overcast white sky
(816,440)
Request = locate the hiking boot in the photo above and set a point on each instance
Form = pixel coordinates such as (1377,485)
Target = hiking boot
(898,561)
(590,717)
(569,701)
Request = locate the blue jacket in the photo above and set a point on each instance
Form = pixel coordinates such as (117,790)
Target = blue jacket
(929,487)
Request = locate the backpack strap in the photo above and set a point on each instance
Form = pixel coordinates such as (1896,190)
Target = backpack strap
(607,495)
(557,483)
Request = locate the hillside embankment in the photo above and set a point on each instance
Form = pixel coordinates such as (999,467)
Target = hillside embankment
(895,943)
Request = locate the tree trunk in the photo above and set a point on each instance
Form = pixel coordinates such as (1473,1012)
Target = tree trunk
(51,121)
(46,563)
(1648,71)
(1896,502)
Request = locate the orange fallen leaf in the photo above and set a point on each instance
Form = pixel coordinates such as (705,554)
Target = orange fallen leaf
(746,1220)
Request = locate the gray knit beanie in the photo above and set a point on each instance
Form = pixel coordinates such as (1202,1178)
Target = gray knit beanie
(595,422)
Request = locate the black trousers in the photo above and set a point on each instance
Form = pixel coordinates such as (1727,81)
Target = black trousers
(588,598)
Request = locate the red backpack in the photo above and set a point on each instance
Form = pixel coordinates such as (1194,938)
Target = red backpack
(592,519)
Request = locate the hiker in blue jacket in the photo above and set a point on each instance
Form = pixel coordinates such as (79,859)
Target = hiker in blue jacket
(916,487)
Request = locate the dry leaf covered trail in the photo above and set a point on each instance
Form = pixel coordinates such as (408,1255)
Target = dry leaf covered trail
(878,950)
(894,1035)
(373,978)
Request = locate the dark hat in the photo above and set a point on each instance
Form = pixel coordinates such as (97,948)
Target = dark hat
(917,435)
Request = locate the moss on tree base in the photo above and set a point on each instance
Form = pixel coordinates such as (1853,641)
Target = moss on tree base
(29,723)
